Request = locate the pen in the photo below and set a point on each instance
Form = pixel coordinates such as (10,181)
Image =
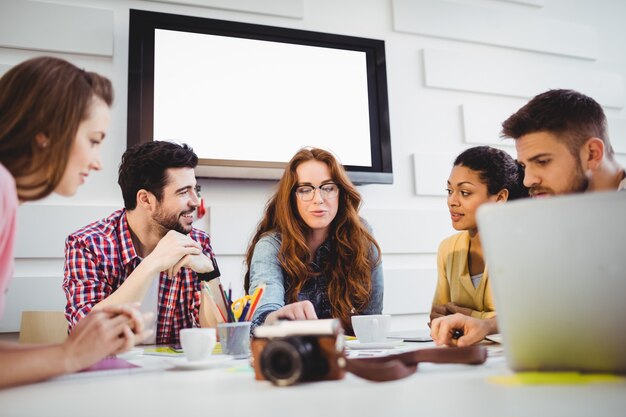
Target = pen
(229,313)
(244,311)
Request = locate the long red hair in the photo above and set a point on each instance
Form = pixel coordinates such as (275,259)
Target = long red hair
(352,257)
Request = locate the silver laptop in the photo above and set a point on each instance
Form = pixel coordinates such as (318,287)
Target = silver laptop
(558,272)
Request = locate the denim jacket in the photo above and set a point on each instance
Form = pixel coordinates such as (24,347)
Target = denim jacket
(265,267)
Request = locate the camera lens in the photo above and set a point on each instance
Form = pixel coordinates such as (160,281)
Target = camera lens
(293,359)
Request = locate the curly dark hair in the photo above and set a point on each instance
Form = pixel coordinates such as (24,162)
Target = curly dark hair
(496,168)
(144,167)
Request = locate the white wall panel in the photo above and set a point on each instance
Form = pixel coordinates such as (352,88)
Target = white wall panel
(494,26)
(409,291)
(232,226)
(617,134)
(517,76)
(43,228)
(54,27)
(4,68)
(31,293)
(534,3)
(409,230)
(431,170)
(287,8)
(482,123)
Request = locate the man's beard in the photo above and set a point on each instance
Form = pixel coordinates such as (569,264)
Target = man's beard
(172,222)
(578,184)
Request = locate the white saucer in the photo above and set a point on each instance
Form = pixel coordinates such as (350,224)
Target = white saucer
(131,354)
(386,344)
(183,363)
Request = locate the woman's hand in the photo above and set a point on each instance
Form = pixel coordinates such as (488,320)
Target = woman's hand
(302,310)
(111,330)
(453,308)
(442,310)
(437,311)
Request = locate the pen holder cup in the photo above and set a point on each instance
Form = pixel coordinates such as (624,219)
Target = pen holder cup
(235,338)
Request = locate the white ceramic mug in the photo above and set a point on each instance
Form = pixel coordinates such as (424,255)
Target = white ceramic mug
(372,328)
(198,343)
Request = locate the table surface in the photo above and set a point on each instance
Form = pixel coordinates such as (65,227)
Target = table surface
(229,389)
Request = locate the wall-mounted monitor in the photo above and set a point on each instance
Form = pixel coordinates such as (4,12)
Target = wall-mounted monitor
(246,97)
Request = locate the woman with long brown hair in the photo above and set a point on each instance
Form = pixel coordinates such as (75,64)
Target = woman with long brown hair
(316,256)
(53,118)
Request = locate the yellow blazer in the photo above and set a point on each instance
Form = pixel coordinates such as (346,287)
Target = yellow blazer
(454,282)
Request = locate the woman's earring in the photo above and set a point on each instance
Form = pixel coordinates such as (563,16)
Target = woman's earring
(42,140)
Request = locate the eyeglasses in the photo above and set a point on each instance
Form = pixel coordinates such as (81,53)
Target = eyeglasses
(307,192)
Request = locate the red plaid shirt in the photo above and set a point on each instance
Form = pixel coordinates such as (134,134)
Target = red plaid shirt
(100,256)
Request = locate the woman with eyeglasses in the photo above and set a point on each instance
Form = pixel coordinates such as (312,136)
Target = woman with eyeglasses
(316,256)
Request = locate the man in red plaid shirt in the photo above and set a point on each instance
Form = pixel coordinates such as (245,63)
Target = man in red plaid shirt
(147,252)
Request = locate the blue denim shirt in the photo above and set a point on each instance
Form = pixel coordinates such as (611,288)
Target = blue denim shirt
(265,267)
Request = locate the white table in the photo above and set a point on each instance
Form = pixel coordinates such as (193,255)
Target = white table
(231,390)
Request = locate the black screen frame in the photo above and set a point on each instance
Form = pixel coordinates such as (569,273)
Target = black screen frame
(142,26)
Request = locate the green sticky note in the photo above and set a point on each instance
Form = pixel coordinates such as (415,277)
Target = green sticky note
(554,378)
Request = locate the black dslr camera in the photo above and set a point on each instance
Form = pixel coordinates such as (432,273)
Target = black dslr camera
(299,351)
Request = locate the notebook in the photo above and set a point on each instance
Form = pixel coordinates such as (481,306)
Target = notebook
(105,367)
(415,335)
(558,271)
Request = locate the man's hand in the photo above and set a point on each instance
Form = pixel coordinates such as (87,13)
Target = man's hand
(444,329)
(171,249)
(200,263)
(302,310)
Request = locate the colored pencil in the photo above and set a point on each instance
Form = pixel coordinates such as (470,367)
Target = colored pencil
(229,313)
(255,301)
(214,286)
(212,306)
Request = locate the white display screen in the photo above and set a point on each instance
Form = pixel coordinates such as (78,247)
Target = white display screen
(252,100)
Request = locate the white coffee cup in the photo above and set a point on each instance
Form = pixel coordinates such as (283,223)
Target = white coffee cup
(198,343)
(372,328)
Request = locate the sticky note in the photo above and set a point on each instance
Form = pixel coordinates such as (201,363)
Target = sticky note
(554,378)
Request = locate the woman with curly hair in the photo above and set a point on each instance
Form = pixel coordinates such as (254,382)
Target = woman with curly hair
(317,257)
(479,175)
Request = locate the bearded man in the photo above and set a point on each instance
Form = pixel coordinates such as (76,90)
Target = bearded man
(148,252)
